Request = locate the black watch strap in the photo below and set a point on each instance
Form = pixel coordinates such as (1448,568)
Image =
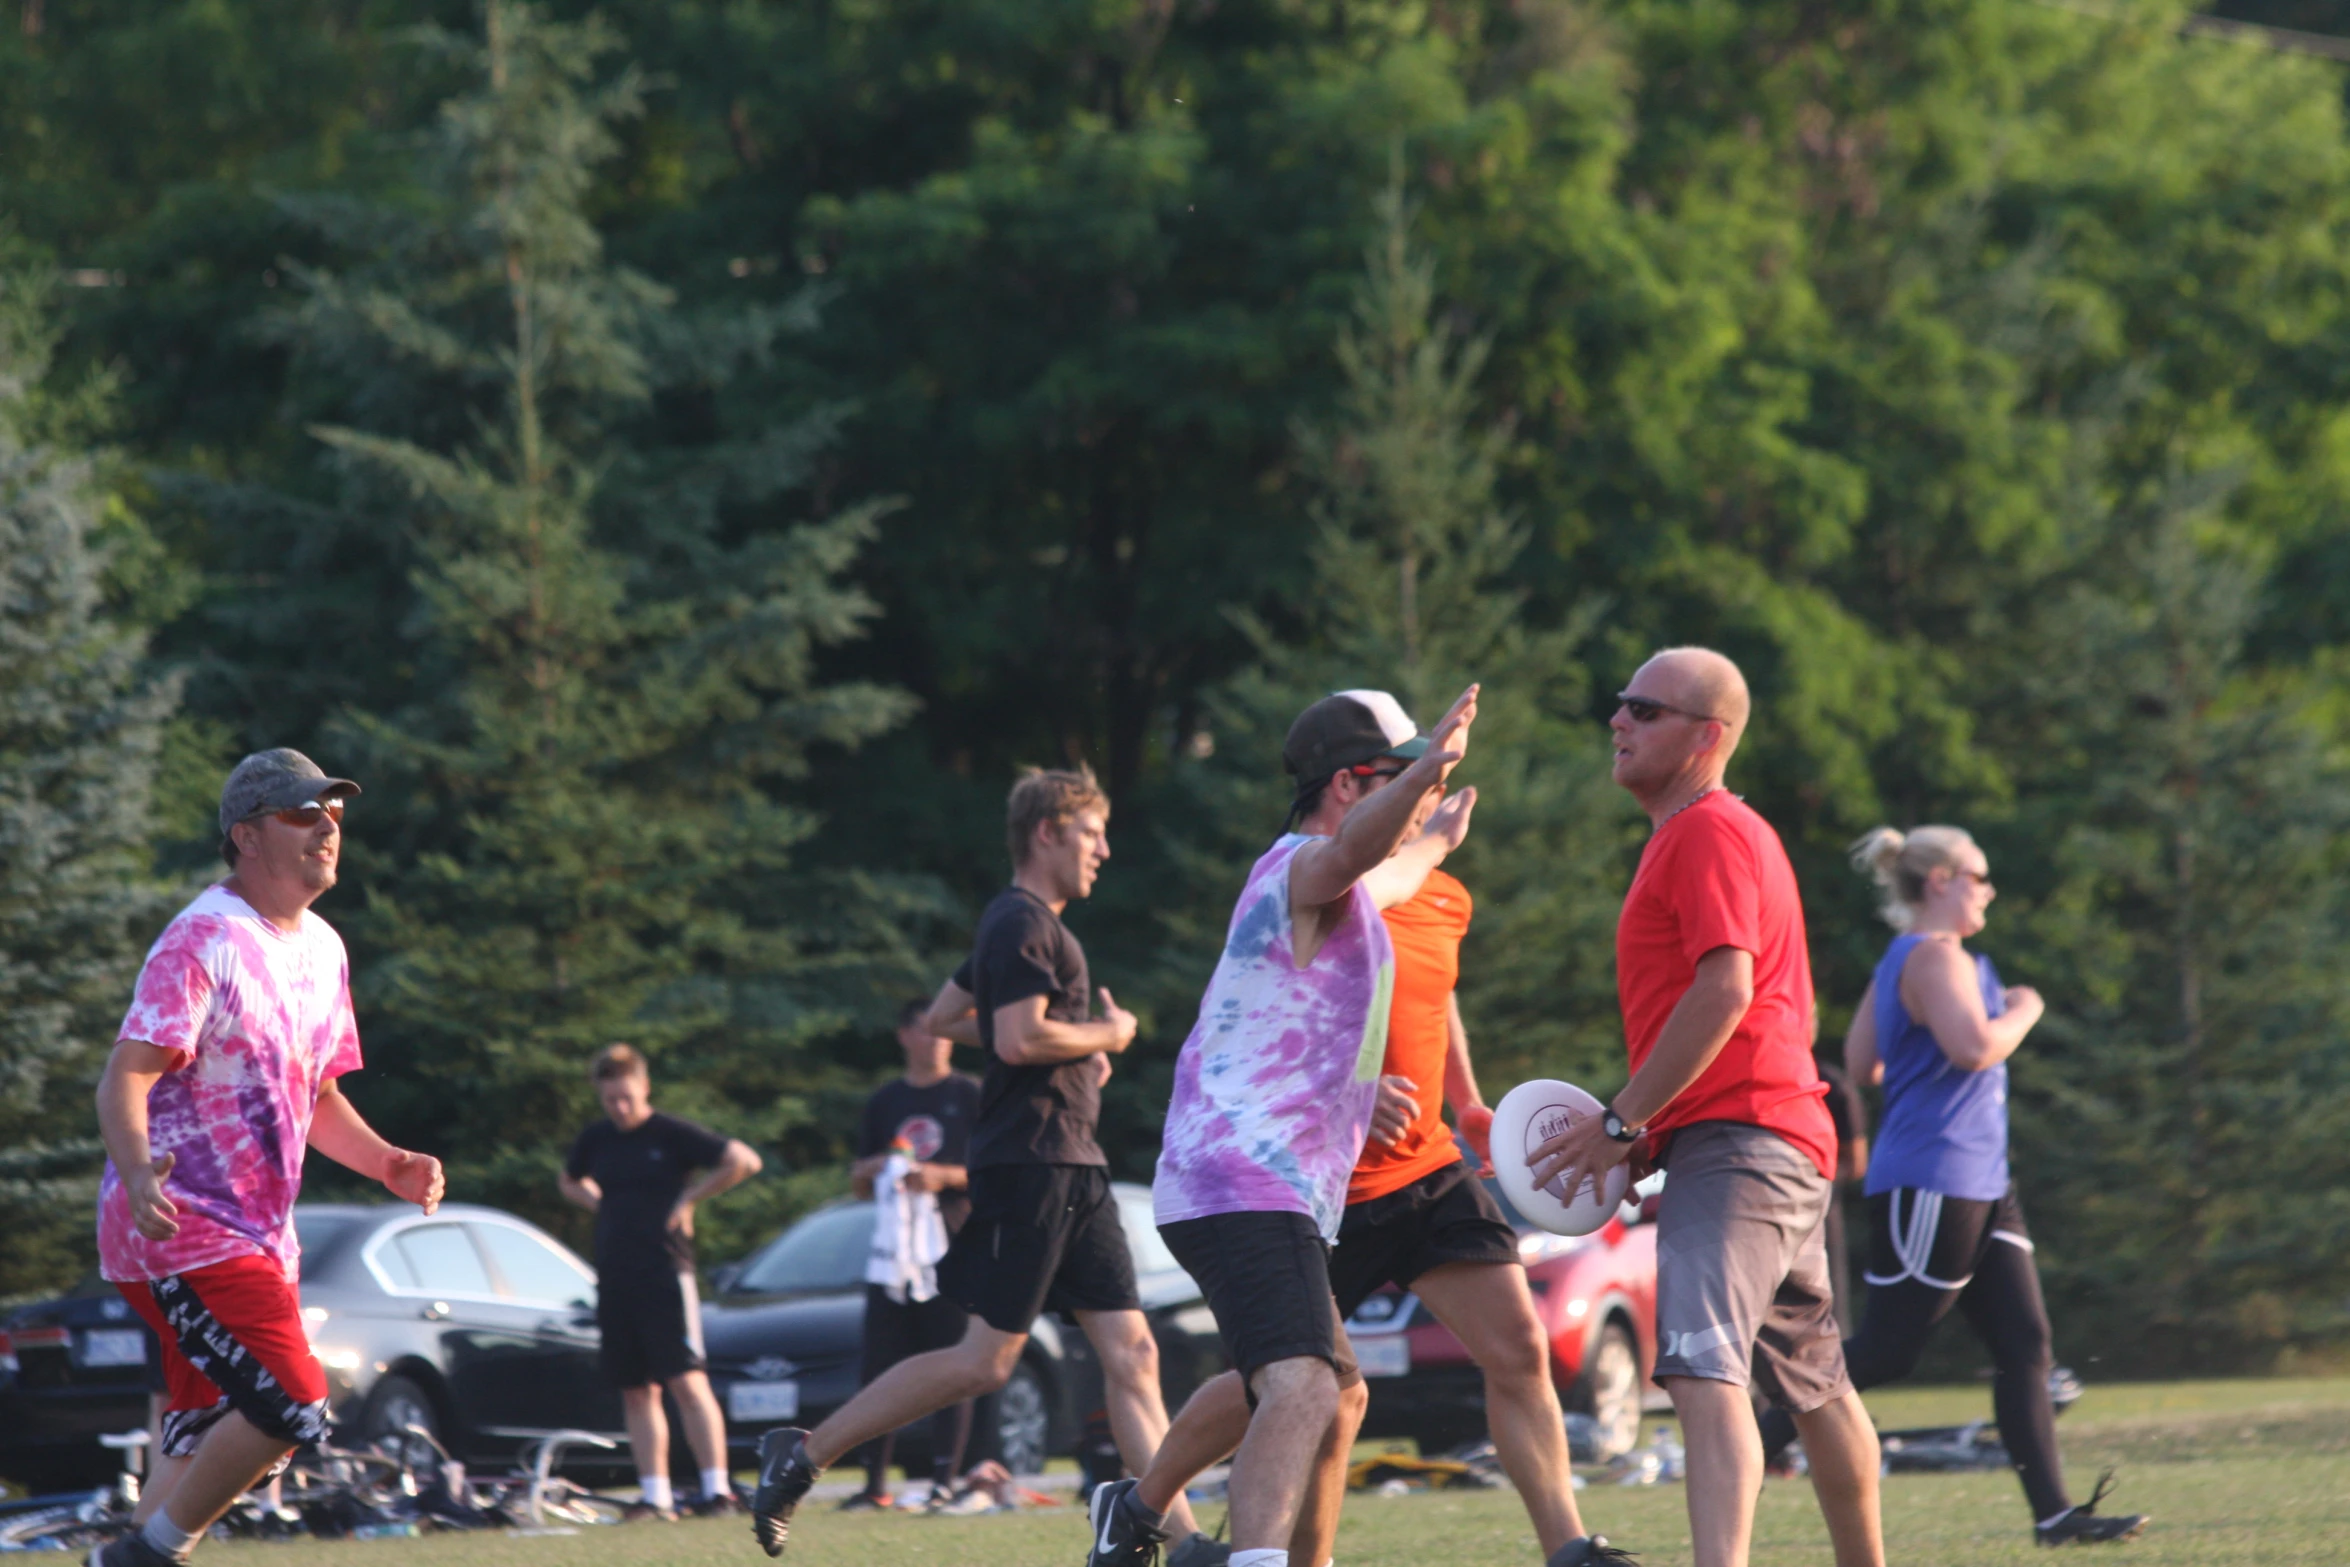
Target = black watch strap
(1613,1124)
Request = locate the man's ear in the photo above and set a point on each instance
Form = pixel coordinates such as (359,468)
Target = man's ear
(247,837)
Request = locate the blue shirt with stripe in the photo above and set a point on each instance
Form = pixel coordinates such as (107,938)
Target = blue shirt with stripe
(1945,1128)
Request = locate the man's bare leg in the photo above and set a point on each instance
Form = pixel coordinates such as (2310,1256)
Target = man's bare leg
(648,1430)
(1297,1399)
(1840,1444)
(1316,1535)
(1489,1309)
(1211,1424)
(1129,1358)
(1725,1467)
(230,1460)
(917,1386)
(697,1412)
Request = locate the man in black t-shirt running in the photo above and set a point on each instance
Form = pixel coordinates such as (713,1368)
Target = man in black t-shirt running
(635,1171)
(1043,1232)
(926,1118)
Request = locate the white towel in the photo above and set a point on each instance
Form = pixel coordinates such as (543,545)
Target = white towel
(909,1235)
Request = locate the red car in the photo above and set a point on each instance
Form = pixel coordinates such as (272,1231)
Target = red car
(1596,1296)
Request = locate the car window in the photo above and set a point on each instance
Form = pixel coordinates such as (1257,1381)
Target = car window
(824,1251)
(440,1258)
(532,1269)
(1142,1237)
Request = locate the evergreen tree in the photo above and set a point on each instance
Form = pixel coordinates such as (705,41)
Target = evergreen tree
(82,723)
(2186,1106)
(588,839)
(1413,560)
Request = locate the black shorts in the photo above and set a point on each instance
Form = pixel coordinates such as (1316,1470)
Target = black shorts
(1041,1237)
(897,1330)
(1445,1216)
(1936,1240)
(1266,1276)
(651,1320)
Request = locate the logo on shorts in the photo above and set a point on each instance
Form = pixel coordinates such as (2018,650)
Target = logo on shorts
(923,1135)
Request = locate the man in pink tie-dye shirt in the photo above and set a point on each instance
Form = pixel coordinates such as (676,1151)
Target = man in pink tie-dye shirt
(224,1073)
(1273,1097)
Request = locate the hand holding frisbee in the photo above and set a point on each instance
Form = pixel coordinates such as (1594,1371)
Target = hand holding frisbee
(1530,1119)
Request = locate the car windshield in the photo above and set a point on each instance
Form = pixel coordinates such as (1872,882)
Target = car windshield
(824,1251)
(319,1233)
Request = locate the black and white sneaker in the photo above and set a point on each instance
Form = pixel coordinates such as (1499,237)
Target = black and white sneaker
(1199,1550)
(784,1477)
(2082,1526)
(132,1550)
(1592,1550)
(1120,1539)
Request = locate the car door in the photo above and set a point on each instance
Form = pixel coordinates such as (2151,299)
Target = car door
(555,1294)
(499,1385)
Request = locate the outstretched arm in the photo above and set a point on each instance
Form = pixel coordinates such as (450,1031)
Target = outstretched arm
(343,1135)
(1325,870)
(1399,877)
(954,1014)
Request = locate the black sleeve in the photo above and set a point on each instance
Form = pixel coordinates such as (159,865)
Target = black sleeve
(871,1137)
(695,1145)
(961,978)
(583,1151)
(1017,956)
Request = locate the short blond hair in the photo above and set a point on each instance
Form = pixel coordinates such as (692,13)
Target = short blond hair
(1040,797)
(619,1061)
(1899,862)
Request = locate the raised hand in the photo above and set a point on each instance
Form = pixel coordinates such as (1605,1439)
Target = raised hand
(416,1178)
(152,1214)
(1450,822)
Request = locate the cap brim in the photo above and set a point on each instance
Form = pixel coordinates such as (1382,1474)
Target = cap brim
(1411,750)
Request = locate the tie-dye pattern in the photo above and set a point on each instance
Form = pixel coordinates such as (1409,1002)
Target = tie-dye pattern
(1274,1088)
(258,1020)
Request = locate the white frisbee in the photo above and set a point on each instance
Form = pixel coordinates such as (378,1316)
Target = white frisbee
(1528,1116)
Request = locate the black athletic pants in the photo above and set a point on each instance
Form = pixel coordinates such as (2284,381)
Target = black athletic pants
(1928,1253)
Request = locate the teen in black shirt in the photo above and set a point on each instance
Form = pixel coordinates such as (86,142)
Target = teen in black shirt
(635,1170)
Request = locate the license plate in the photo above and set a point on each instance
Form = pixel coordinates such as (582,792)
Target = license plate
(1388,1355)
(763,1401)
(114,1347)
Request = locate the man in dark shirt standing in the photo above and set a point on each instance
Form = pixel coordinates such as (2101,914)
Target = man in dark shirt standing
(635,1171)
(926,1117)
(1043,1232)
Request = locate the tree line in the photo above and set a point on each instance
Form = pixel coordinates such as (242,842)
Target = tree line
(683,459)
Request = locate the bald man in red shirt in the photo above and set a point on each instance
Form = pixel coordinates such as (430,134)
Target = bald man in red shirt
(1715,981)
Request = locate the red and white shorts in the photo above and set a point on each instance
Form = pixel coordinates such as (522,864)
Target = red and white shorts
(232,1339)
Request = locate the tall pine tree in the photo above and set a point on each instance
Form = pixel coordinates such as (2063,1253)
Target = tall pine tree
(82,725)
(1413,591)
(587,836)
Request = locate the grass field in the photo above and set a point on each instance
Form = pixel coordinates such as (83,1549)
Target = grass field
(2233,1472)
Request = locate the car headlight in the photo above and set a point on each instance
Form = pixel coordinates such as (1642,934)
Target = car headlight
(1541,1246)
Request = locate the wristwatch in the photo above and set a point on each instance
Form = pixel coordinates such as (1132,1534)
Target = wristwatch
(1613,1124)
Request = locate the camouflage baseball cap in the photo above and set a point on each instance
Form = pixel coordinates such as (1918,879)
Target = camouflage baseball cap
(275,780)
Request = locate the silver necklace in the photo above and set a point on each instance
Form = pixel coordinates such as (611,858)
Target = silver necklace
(1685,804)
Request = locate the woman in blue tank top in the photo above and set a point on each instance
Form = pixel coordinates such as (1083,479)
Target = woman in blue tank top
(1936,1028)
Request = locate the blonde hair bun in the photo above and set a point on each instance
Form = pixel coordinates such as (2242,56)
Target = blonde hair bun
(1898,863)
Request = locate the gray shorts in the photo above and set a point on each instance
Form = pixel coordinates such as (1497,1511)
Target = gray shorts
(1742,1287)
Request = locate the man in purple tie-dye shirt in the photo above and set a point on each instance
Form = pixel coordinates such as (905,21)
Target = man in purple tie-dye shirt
(1273,1097)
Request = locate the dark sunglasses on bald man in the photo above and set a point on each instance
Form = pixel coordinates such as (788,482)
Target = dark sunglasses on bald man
(1647,710)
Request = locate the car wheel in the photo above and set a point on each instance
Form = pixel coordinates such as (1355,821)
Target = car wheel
(1609,1391)
(1024,1422)
(397,1409)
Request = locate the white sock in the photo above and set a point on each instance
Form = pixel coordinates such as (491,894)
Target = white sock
(715,1484)
(1260,1559)
(657,1492)
(168,1537)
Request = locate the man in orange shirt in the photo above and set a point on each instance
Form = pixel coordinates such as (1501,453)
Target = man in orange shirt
(1418,1216)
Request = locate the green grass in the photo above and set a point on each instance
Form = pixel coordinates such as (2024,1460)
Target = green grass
(2233,1472)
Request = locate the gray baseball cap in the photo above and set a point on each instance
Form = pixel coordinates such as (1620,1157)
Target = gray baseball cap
(275,780)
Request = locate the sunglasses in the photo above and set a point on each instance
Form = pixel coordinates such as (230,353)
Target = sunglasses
(1646,710)
(1373,770)
(310,813)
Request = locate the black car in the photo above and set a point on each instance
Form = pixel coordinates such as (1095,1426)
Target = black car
(471,1323)
(785,1330)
